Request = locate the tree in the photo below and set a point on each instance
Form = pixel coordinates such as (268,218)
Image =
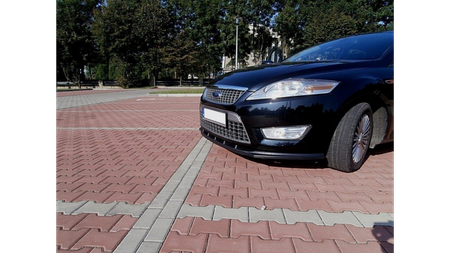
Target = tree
(123,39)
(331,20)
(102,28)
(180,55)
(136,39)
(131,34)
(233,10)
(199,20)
(203,29)
(261,14)
(75,43)
(152,29)
(304,23)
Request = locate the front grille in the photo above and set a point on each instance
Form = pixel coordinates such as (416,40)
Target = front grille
(223,96)
(234,131)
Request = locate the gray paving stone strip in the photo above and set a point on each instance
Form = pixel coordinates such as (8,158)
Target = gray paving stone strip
(110,209)
(286,216)
(151,229)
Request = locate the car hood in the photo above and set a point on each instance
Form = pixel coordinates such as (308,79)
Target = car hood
(254,78)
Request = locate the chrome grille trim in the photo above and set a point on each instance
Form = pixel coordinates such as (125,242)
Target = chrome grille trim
(227,96)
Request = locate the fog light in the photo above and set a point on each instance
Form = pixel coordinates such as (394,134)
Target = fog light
(285,133)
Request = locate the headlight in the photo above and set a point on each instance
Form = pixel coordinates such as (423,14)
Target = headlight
(293,87)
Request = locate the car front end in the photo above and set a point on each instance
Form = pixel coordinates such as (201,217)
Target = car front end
(326,102)
(270,125)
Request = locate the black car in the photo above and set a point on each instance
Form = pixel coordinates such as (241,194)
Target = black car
(333,101)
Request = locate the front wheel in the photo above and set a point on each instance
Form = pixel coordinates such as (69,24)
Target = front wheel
(351,139)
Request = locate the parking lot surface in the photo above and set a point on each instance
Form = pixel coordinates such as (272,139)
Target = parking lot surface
(135,175)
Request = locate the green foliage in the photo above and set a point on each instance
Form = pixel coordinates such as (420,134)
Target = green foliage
(132,40)
(180,55)
(304,23)
(75,42)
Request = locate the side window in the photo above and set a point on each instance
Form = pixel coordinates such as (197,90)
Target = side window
(275,55)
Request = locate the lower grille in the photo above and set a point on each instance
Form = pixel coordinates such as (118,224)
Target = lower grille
(234,131)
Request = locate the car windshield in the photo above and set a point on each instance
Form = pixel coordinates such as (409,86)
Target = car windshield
(362,47)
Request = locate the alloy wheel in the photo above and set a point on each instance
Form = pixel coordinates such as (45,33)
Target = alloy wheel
(361,138)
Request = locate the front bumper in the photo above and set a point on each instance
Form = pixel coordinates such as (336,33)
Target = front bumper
(248,152)
(249,142)
(239,128)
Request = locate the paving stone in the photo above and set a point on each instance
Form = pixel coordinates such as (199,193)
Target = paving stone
(269,215)
(281,203)
(370,220)
(159,230)
(180,193)
(176,242)
(364,235)
(147,218)
(171,209)
(94,238)
(370,247)
(125,223)
(103,223)
(67,238)
(225,201)
(195,211)
(67,207)
(297,230)
(131,241)
(329,219)
(241,214)
(308,216)
(182,226)
(328,246)
(218,244)
(133,210)
(98,208)
(67,222)
(146,247)
(160,200)
(284,245)
(221,228)
(336,232)
(260,229)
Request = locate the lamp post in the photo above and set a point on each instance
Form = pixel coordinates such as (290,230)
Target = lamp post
(237,29)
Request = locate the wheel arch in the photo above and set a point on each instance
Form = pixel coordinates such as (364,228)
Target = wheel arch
(377,102)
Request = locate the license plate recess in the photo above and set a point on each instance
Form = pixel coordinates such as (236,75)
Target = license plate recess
(214,116)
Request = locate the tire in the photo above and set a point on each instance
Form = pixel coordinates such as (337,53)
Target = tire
(351,139)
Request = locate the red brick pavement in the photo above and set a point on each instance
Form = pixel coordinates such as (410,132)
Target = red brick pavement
(98,162)
(90,231)
(197,235)
(231,181)
(106,165)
